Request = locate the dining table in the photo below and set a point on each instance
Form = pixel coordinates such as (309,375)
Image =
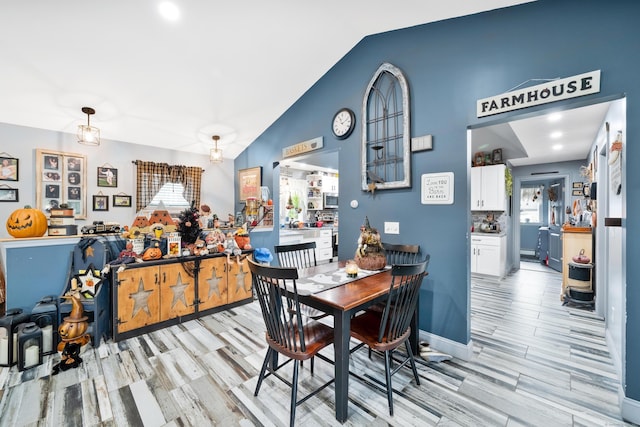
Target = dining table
(327,288)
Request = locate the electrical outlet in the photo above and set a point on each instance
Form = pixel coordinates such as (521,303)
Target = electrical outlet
(391,227)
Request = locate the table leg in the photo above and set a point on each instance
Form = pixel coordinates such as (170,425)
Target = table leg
(341,330)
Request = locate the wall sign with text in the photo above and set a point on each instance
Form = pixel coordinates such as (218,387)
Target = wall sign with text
(437,188)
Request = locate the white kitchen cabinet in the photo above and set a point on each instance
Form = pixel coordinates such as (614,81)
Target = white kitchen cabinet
(488,254)
(488,188)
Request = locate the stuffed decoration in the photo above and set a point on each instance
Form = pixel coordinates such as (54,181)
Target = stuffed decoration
(231,248)
(27,222)
(242,238)
(370,253)
(215,241)
(73,335)
(189,226)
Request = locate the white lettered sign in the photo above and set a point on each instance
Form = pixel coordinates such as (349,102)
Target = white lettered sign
(437,188)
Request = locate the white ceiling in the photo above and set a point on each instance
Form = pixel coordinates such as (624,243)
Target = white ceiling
(530,140)
(225,68)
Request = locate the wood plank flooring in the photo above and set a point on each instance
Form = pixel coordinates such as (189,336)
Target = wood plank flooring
(535,363)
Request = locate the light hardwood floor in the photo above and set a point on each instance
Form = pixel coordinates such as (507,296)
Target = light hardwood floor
(535,363)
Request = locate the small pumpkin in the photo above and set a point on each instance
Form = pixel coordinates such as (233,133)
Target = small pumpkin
(152,252)
(27,222)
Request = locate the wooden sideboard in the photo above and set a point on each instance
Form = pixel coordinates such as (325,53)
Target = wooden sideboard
(155,294)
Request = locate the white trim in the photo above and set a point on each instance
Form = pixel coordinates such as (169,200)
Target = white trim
(630,410)
(445,345)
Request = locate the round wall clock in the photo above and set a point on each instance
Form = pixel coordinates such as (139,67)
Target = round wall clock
(343,123)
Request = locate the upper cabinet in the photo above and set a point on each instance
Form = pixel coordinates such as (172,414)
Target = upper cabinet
(488,188)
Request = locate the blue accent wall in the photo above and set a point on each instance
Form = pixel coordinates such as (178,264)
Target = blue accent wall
(449,65)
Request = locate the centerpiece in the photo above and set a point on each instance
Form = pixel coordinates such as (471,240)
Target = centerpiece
(370,253)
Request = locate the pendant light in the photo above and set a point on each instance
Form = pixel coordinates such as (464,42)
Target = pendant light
(215,155)
(88,135)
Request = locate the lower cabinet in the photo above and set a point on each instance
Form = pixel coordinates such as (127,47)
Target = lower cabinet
(488,255)
(156,294)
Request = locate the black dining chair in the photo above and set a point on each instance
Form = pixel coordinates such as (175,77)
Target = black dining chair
(387,330)
(401,254)
(286,333)
(298,255)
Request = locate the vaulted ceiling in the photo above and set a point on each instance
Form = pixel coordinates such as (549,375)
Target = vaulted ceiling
(225,68)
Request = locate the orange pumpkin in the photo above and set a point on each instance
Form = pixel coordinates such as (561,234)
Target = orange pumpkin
(242,241)
(152,252)
(27,222)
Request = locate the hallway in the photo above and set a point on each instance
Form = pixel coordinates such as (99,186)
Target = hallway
(535,363)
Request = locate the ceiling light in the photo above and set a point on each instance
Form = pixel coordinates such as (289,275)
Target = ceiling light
(88,135)
(556,134)
(169,11)
(554,117)
(556,147)
(215,154)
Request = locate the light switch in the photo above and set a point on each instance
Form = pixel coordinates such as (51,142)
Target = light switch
(421,143)
(391,227)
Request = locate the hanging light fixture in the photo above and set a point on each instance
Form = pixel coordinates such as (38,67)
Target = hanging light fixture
(215,155)
(88,135)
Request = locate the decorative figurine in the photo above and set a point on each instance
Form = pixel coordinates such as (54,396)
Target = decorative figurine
(370,253)
(73,335)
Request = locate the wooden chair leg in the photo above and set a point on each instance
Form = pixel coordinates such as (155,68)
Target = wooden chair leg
(387,371)
(407,345)
(262,371)
(294,393)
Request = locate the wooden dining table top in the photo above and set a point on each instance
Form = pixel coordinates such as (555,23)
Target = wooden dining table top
(352,294)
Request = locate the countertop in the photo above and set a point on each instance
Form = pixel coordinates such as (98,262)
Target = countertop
(489,234)
(571,229)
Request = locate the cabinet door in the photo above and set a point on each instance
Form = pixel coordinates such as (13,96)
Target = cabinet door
(239,281)
(555,251)
(493,189)
(138,298)
(476,189)
(474,258)
(177,290)
(212,283)
(488,260)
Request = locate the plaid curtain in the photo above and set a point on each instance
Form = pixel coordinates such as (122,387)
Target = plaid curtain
(151,176)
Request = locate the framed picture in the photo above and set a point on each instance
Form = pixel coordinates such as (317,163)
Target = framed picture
(577,192)
(575,185)
(496,156)
(250,181)
(8,168)
(478,159)
(121,201)
(107,177)
(100,203)
(8,194)
(61,179)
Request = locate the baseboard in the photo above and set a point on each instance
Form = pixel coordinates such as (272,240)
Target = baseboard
(630,410)
(444,345)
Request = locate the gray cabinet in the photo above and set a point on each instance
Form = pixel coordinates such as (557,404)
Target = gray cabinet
(555,250)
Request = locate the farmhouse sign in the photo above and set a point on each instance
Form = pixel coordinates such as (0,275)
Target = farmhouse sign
(302,147)
(556,90)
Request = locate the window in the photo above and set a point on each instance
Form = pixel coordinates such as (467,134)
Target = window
(385,157)
(157,181)
(531,205)
(170,198)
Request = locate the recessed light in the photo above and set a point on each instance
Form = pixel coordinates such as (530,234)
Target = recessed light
(556,147)
(554,117)
(555,135)
(169,11)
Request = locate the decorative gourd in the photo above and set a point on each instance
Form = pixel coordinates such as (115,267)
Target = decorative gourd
(27,222)
(152,252)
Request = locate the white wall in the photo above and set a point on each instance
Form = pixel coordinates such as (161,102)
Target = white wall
(21,142)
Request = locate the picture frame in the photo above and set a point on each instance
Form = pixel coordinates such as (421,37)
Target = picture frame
(496,156)
(8,194)
(250,181)
(107,176)
(100,202)
(578,193)
(575,185)
(8,168)
(121,201)
(478,159)
(61,178)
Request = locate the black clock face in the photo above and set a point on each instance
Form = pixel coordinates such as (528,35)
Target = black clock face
(343,123)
